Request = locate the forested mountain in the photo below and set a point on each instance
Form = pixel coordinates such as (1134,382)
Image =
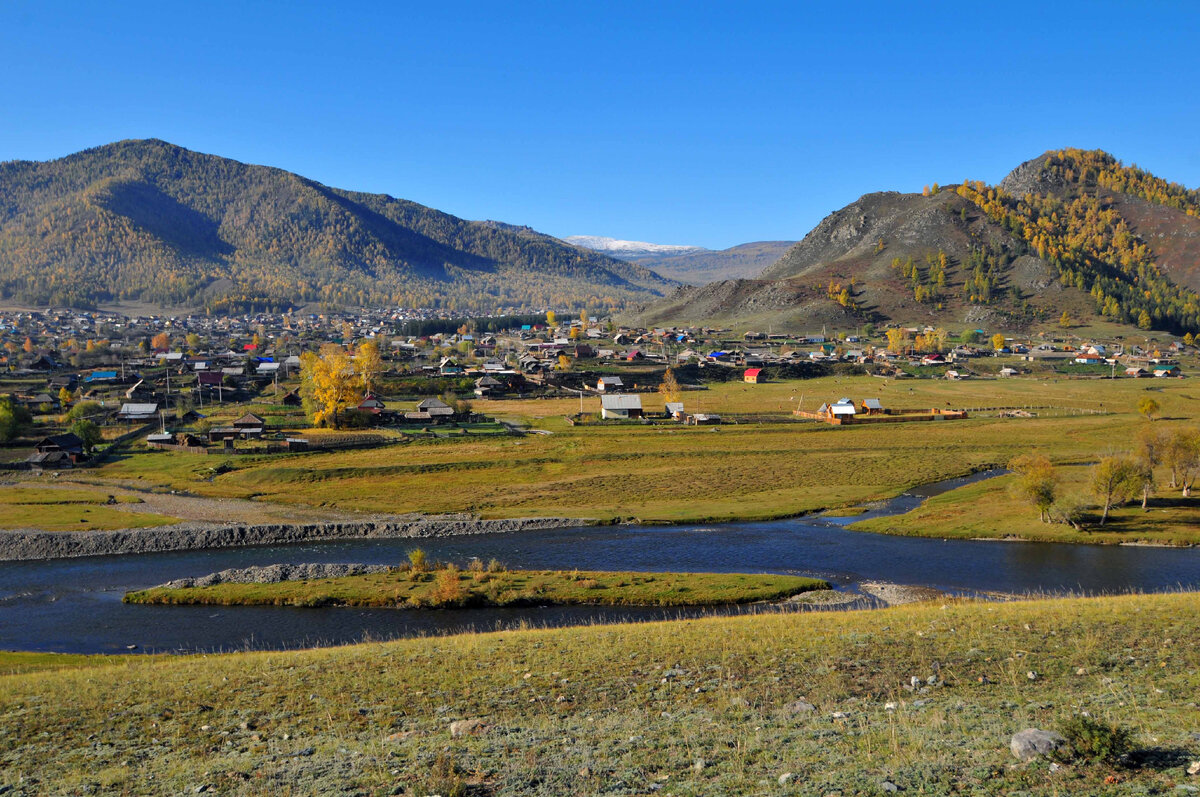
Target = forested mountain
(152,222)
(1072,231)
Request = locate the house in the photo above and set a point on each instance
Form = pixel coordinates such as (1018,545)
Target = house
(131,411)
(622,406)
(872,406)
(1089,358)
(1008,372)
(210,378)
(754,376)
(843,407)
(292,399)
(607,384)
(435,408)
(249,421)
(68,443)
(449,367)
(675,410)
(488,386)
(1134,372)
(371,404)
(634,355)
(101,376)
(1170,370)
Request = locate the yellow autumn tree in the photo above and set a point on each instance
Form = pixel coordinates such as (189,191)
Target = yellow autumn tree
(669,387)
(329,384)
(369,365)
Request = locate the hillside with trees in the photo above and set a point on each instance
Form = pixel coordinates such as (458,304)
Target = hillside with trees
(150,222)
(1072,232)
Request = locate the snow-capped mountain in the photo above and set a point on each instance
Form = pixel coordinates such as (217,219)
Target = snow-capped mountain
(629,249)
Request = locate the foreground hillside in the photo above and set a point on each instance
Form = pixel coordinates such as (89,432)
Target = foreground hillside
(1070,231)
(152,222)
(788,704)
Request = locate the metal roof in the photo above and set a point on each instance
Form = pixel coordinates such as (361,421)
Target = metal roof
(621,401)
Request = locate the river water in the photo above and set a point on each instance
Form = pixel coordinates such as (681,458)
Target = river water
(74,605)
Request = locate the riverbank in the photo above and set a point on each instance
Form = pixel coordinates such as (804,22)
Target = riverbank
(449,587)
(30,545)
(820,703)
(989,510)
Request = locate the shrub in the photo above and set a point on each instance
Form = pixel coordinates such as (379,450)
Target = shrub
(448,590)
(475,565)
(1094,741)
(418,559)
(494,566)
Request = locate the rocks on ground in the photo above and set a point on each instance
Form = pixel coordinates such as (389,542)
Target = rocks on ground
(1030,743)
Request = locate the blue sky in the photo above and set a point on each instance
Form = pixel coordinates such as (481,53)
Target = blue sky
(707,124)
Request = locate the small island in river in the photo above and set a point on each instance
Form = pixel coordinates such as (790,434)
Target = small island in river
(447,586)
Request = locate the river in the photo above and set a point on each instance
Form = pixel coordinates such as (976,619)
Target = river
(74,605)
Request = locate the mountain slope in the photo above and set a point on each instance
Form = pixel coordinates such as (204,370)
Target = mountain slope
(149,221)
(1070,231)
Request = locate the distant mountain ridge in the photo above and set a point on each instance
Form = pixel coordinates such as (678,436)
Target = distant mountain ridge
(1070,231)
(693,265)
(148,221)
(628,249)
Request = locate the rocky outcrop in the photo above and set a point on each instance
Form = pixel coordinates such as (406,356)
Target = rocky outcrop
(25,545)
(273,574)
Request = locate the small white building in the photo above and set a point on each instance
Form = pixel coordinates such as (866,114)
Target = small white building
(620,406)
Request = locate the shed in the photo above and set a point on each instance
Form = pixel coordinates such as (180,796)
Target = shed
(609,383)
(754,376)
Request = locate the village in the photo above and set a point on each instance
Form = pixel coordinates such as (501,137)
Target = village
(81,384)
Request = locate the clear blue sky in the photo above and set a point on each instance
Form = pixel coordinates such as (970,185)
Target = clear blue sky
(674,123)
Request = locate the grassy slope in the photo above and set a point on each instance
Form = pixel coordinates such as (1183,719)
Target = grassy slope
(508,588)
(615,709)
(671,473)
(69,510)
(989,509)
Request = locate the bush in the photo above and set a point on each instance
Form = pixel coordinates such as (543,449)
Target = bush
(1091,740)
(494,566)
(448,590)
(418,559)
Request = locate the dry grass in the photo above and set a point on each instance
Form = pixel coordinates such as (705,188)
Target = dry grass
(622,709)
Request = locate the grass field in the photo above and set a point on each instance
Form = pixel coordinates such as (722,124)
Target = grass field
(685,708)
(668,473)
(458,588)
(52,509)
(990,510)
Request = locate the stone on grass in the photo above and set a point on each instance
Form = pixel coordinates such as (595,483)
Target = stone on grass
(799,707)
(1030,743)
(471,727)
(1194,768)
